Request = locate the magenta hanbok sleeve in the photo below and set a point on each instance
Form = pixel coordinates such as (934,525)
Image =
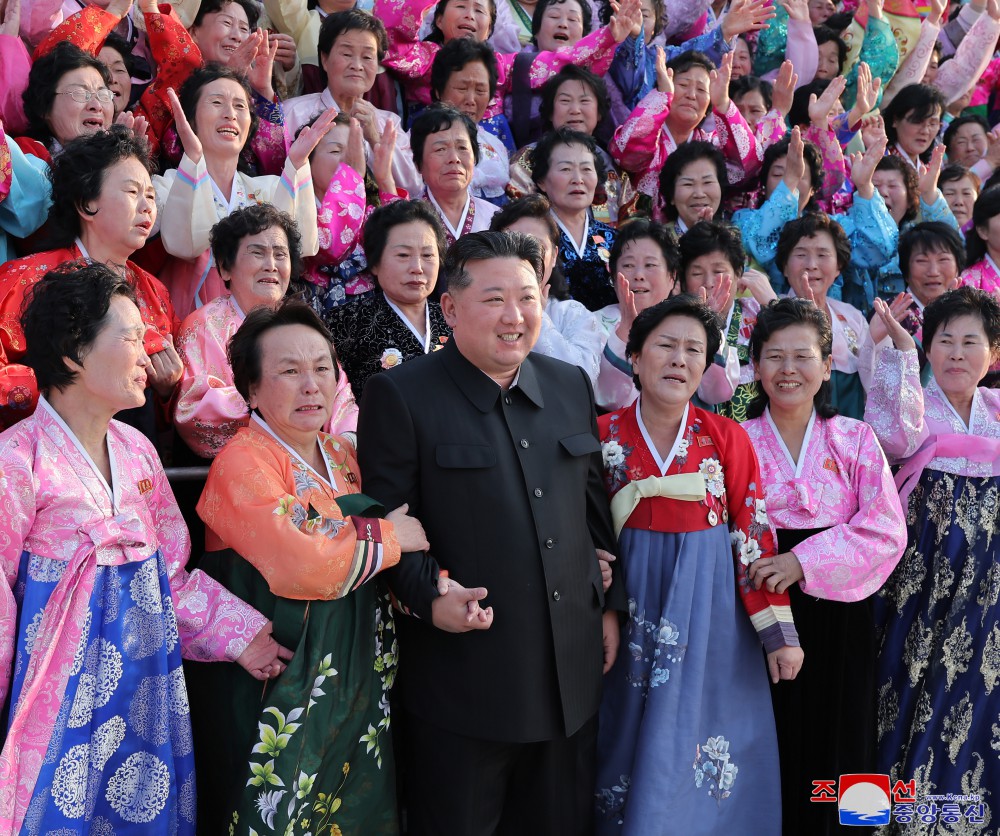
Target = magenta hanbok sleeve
(342,214)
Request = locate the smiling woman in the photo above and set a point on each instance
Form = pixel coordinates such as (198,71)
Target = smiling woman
(687,503)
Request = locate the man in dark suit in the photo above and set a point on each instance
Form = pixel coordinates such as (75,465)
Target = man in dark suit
(496,452)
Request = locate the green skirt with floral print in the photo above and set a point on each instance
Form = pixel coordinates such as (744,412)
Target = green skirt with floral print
(310,752)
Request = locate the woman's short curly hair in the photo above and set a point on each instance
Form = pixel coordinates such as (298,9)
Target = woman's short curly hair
(228,234)
(190,93)
(684,305)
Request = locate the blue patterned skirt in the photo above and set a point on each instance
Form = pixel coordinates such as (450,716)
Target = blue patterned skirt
(120,760)
(939,660)
(686,741)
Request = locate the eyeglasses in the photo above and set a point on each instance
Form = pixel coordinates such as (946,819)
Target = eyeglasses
(82,95)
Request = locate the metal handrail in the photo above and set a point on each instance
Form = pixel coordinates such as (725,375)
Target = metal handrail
(186,474)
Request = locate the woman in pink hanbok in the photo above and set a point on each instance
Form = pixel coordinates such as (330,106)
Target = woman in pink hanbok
(673,114)
(938,614)
(258,250)
(829,494)
(97,610)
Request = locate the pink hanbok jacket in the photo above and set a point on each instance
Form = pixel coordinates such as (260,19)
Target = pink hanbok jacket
(841,482)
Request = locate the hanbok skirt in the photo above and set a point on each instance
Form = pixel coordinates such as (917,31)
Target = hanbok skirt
(309,752)
(120,760)
(686,741)
(825,716)
(939,658)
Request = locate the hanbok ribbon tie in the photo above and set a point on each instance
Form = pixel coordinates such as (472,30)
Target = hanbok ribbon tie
(947,446)
(801,497)
(688,487)
(116,540)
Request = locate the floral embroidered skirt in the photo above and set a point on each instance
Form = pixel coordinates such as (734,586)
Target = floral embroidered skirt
(939,661)
(309,752)
(120,759)
(686,742)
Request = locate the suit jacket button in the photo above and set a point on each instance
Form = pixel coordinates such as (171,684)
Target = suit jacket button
(524,442)
(538,491)
(556,596)
(506,400)
(550,543)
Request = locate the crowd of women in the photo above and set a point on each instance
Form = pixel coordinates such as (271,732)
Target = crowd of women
(770,233)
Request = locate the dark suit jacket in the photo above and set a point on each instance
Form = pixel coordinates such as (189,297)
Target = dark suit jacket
(508,488)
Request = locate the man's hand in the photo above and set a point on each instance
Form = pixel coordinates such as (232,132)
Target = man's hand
(612,636)
(605,559)
(457,610)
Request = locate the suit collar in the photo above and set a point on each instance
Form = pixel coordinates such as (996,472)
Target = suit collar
(479,388)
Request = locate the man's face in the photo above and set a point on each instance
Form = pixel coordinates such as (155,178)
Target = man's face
(497,318)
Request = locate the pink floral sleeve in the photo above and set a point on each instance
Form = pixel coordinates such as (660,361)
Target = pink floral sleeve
(895,405)
(970,60)
(738,144)
(214,624)
(17,516)
(636,143)
(342,213)
(344,413)
(834,164)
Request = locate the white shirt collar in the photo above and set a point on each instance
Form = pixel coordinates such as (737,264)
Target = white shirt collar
(578,246)
(424,340)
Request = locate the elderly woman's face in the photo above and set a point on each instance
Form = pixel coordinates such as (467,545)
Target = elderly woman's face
(672,360)
(960,355)
(575,106)
(121,81)
(968,145)
(697,192)
(742,62)
(114,366)
(261,271)
(571,180)
(465,19)
(222,118)
(68,118)
(408,269)
(812,266)
(791,368)
(352,64)
(298,382)
(892,186)
(220,33)
(960,195)
(468,90)
(933,272)
(122,215)
(449,160)
(561,27)
(645,269)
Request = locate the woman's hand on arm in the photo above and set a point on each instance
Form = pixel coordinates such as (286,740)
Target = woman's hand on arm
(778,573)
(264,658)
(409,532)
(165,369)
